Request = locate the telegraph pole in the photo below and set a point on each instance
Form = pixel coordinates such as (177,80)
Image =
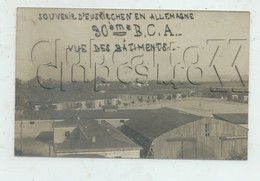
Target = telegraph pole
(21,139)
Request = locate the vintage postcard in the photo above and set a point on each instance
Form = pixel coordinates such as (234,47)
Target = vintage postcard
(117,83)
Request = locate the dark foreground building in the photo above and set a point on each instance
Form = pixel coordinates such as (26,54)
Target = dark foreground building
(168,133)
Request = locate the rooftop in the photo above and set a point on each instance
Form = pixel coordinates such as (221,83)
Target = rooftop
(235,118)
(157,122)
(83,114)
(106,137)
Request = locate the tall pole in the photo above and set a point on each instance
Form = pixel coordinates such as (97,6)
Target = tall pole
(21,139)
(49,148)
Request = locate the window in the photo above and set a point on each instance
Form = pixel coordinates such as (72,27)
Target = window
(67,135)
(207,129)
(122,121)
(32,123)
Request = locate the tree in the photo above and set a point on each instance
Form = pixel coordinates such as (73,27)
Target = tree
(169,97)
(160,97)
(77,105)
(30,105)
(89,104)
(118,102)
(109,102)
(43,107)
(52,107)
(140,99)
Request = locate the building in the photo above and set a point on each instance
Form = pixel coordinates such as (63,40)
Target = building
(115,117)
(162,133)
(74,105)
(32,128)
(228,94)
(178,96)
(98,100)
(134,98)
(241,97)
(34,137)
(110,108)
(96,103)
(88,138)
(168,133)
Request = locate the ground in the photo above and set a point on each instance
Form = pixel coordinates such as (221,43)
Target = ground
(197,106)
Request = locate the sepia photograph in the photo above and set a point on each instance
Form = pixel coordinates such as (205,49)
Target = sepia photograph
(132,83)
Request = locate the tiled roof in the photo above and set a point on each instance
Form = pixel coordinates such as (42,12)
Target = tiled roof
(106,137)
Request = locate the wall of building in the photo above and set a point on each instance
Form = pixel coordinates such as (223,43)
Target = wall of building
(112,102)
(59,133)
(84,106)
(107,154)
(194,140)
(59,106)
(136,98)
(32,128)
(230,147)
(95,103)
(178,96)
(99,103)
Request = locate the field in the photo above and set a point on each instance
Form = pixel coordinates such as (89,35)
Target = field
(198,106)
